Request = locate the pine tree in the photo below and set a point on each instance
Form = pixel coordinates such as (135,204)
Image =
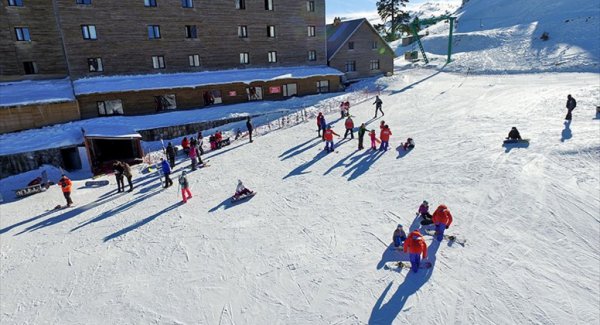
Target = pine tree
(390,10)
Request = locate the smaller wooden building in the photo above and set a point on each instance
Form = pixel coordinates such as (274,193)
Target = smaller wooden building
(356,48)
(106,146)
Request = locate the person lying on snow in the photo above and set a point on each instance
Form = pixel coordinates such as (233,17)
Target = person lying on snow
(241,190)
(514,134)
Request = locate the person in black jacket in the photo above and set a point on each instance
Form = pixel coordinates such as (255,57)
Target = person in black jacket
(571,104)
(361,135)
(119,175)
(514,134)
(171,154)
(250,127)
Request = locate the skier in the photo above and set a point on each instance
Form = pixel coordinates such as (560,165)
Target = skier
(194,156)
(185,145)
(171,154)
(320,123)
(385,138)
(409,144)
(424,213)
(442,218)
(185,187)
(399,236)
(66,184)
(241,190)
(349,128)
(361,135)
(119,176)
(250,127)
(415,245)
(166,169)
(373,140)
(378,104)
(328,135)
(571,104)
(514,134)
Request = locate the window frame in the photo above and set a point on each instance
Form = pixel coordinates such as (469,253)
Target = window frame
(272,56)
(312,31)
(269,5)
(150,3)
(194,60)
(159,62)
(310,6)
(154,32)
(320,86)
(350,66)
(33,65)
(187,4)
(83,2)
(271,31)
(350,46)
(243,31)
(240,4)
(23,34)
(113,112)
(244,58)
(98,62)
(374,63)
(15,3)
(191,32)
(86,32)
(374,45)
(312,55)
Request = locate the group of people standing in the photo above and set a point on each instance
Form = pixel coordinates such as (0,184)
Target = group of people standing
(414,243)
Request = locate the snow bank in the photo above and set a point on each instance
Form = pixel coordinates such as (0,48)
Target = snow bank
(35,92)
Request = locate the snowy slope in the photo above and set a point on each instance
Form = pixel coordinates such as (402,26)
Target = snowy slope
(309,248)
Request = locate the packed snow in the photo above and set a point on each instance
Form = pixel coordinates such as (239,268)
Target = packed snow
(31,92)
(310,247)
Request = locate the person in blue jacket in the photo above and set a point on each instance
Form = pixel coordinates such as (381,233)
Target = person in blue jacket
(399,236)
(166,169)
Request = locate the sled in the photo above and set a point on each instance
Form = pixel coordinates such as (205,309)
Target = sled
(96,183)
(243,197)
(30,190)
(399,265)
(449,238)
(514,141)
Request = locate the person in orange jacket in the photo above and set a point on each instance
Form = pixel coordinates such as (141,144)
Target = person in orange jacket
(385,138)
(66,184)
(415,246)
(442,218)
(328,135)
(349,128)
(185,145)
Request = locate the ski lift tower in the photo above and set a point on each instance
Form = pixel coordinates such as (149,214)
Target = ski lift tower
(416,23)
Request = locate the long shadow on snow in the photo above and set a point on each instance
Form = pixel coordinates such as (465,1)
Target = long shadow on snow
(384,314)
(227,203)
(222,151)
(121,208)
(391,253)
(141,222)
(302,168)
(566,132)
(394,92)
(510,146)
(402,153)
(298,149)
(361,164)
(340,163)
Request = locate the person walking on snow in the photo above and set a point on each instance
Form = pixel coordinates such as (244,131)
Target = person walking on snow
(571,104)
(250,127)
(185,187)
(65,185)
(361,135)
(200,140)
(378,104)
(328,135)
(166,169)
(373,140)
(320,124)
(514,134)
(171,154)
(385,138)
(442,218)
(415,246)
(399,236)
(194,156)
(119,176)
(349,128)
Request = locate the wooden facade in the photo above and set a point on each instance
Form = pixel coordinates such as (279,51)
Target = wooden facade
(16,118)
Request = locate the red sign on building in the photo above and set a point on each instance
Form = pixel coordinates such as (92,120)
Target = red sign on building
(275,90)
(232,93)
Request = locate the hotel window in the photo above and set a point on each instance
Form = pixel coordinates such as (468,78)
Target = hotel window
(89,32)
(244,58)
(240,4)
(194,60)
(272,56)
(290,90)
(270,31)
(165,102)
(149,3)
(311,31)
(351,45)
(15,3)
(22,34)
(190,31)
(374,45)
(187,3)
(30,67)
(158,62)
(323,86)
(374,64)
(312,55)
(83,2)
(268,4)
(153,31)
(95,65)
(110,107)
(310,6)
(350,66)
(242,31)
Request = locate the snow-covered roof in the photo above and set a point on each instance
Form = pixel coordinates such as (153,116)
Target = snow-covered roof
(30,92)
(114,131)
(190,80)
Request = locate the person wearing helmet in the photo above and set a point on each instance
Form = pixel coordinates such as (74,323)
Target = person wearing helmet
(185,187)
(399,236)
(415,246)
(514,134)
(442,218)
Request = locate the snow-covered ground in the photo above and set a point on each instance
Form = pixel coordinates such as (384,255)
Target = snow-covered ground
(309,248)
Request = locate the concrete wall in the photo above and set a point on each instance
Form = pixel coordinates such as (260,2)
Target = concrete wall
(34,116)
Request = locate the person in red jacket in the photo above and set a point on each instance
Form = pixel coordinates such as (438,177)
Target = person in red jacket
(349,128)
(185,145)
(415,246)
(442,218)
(329,138)
(385,138)
(66,184)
